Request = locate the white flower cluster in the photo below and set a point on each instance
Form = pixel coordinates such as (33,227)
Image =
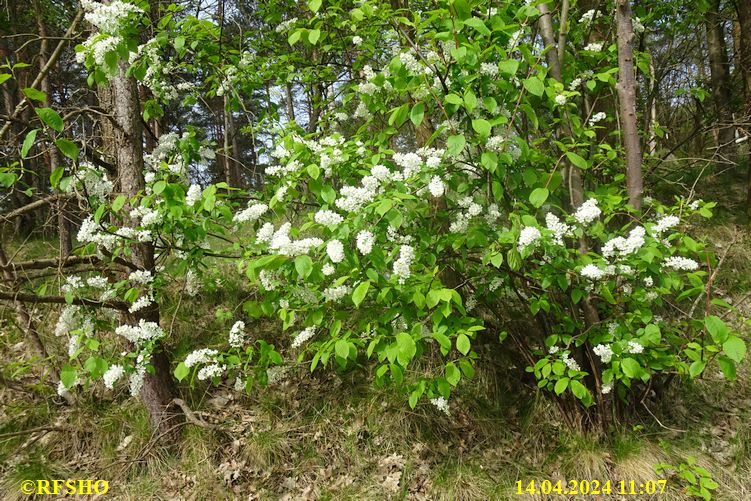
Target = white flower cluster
(401,265)
(528,236)
(436,187)
(113,374)
(335,251)
(202,356)
(597,117)
(489,70)
(148,216)
(66,322)
(328,269)
(303,336)
(594,47)
(681,263)
(634,347)
(470,210)
(560,99)
(194,195)
(558,227)
(252,213)
(108,17)
(336,293)
(588,17)
(141,303)
(665,223)
(269,280)
(365,240)
(570,362)
(237,334)
(353,198)
(91,180)
(593,272)
(327,217)
(143,277)
(283,244)
(211,371)
(587,212)
(285,25)
(604,352)
(144,331)
(624,246)
(637,25)
(441,404)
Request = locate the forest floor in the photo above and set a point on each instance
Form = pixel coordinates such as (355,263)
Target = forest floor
(327,436)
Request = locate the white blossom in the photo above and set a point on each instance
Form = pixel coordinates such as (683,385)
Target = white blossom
(144,331)
(592,272)
(211,371)
(528,236)
(328,217)
(365,240)
(604,352)
(112,375)
(402,265)
(328,269)
(560,99)
(237,334)
(441,404)
(624,246)
(665,223)
(194,195)
(571,363)
(335,251)
(681,263)
(200,356)
(587,212)
(597,117)
(252,213)
(436,187)
(594,47)
(634,347)
(559,228)
(303,336)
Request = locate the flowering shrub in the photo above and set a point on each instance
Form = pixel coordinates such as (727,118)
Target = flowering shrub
(411,240)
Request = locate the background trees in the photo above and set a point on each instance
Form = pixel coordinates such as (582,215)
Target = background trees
(402,189)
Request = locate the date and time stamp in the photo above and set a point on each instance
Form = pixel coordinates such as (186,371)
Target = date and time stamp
(590,487)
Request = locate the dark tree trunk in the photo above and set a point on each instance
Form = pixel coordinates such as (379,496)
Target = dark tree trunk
(744,20)
(720,75)
(627,102)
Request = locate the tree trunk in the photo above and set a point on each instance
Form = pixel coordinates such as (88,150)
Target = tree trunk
(158,388)
(744,19)
(63,221)
(627,102)
(720,75)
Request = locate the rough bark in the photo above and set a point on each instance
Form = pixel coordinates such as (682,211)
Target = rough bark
(627,102)
(158,388)
(55,161)
(720,76)
(744,20)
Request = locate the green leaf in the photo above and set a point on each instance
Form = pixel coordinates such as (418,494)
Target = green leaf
(470,100)
(360,292)
(509,66)
(315,5)
(4,77)
(728,367)
(68,148)
(534,86)
(68,376)
(56,176)
(399,115)
(304,266)
(417,113)
(36,95)
(313,171)
(313,36)
(716,328)
(454,99)
(159,187)
(481,126)
(294,37)
(561,385)
(735,348)
(342,348)
(631,367)
(407,348)
(462,343)
(538,196)
(118,203)
(453,375)
(696,368)
(576,160)
(478,25)
(28,142)
(181,371)
(579,390)
(455,144)
(51,118)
